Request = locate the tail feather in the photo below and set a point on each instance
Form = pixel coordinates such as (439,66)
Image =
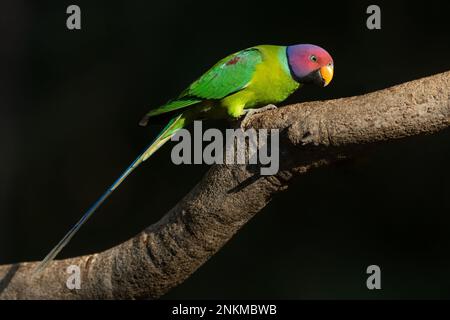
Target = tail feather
(144,120)
(169,108)
(172,127)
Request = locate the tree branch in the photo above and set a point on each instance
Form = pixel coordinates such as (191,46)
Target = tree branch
(312,134)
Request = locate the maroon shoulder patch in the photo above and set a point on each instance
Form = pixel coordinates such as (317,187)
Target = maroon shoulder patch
(233,61)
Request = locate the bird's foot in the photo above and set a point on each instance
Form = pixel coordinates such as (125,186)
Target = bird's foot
(250,112)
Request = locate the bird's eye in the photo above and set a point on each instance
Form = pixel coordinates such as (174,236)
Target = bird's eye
(313,58)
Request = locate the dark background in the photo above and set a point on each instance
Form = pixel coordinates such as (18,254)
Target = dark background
(70,102)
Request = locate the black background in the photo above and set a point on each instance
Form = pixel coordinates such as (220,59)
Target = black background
(69,106)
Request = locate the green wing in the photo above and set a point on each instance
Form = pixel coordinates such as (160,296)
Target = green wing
(228,76)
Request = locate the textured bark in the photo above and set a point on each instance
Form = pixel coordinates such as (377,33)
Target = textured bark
(312,134)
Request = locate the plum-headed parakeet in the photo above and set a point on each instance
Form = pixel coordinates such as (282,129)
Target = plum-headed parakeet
(245,80)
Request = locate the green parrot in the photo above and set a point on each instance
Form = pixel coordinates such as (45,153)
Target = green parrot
(237,84)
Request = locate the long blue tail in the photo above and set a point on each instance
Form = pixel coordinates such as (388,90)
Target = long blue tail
(171,128)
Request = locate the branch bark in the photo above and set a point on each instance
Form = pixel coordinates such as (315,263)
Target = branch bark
(312,134)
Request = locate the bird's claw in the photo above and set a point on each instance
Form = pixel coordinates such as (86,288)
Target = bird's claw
(250,112)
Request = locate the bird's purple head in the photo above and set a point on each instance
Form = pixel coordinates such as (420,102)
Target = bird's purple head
(310,64)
